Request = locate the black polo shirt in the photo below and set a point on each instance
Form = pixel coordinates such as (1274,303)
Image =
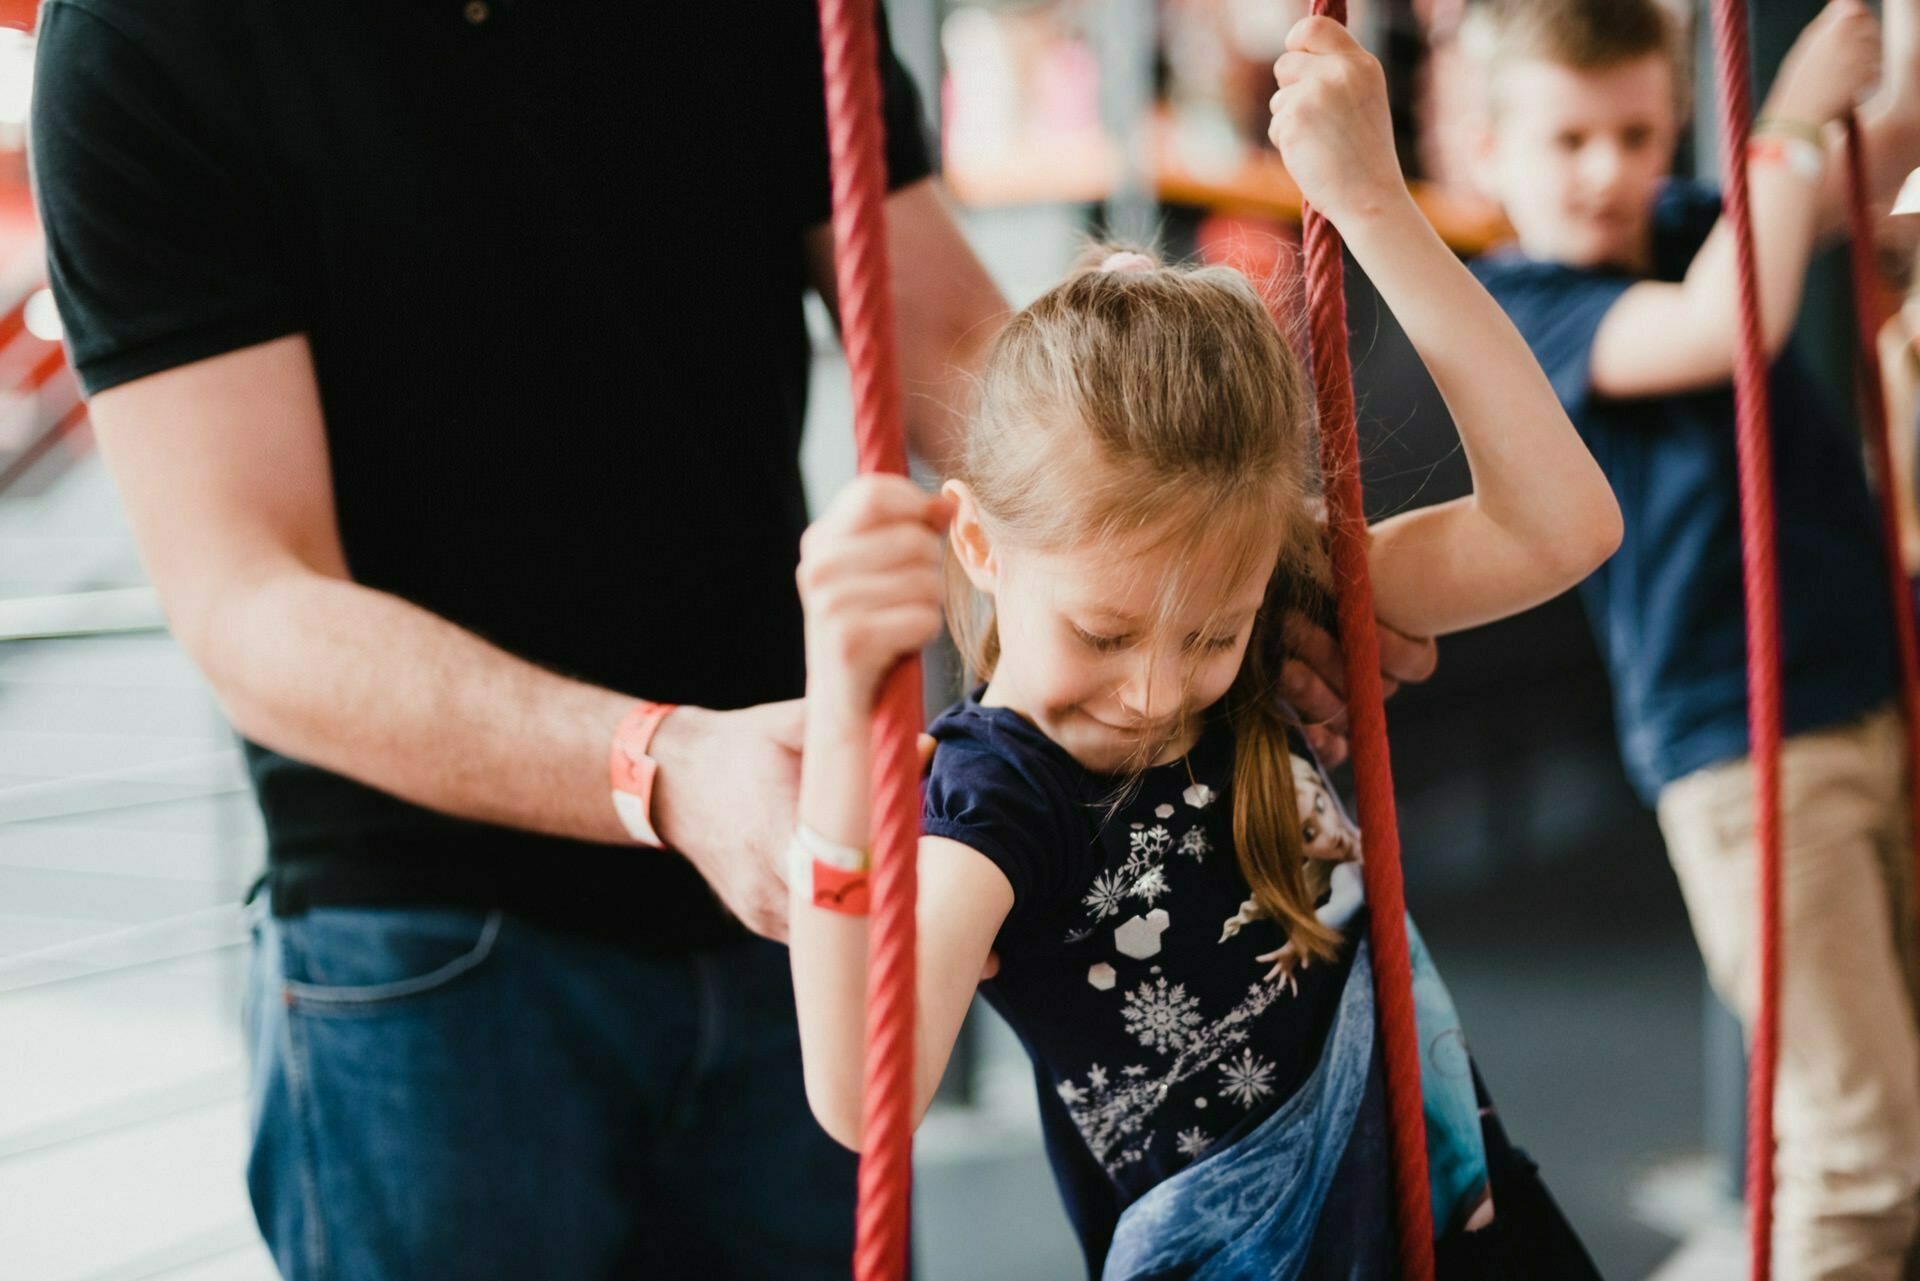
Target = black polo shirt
(548,256)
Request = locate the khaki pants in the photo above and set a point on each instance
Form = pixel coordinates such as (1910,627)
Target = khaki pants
(1847,1111)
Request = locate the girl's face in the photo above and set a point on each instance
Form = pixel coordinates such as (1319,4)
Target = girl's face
(1085,653)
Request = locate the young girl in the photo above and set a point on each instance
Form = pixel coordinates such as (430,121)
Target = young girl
(1117,812)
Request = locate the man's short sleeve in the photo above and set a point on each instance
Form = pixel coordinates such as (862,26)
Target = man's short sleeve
(1684,214)
(909,155)
(160,241)
(1558,311)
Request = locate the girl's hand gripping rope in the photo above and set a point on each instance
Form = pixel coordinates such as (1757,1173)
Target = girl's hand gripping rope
(871,583)
(1331,124)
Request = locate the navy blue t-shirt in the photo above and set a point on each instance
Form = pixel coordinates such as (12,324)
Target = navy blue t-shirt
(1129,966)
(1667,608)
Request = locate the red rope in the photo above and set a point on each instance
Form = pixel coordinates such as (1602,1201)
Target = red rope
(856,144)
(1761,576)
(1373,770)
(1880,461)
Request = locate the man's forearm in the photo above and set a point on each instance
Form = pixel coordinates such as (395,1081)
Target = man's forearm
(369,686)
(936,403)
(946,312)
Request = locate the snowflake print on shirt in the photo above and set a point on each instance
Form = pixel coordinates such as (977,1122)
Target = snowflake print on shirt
(1161,1016)
(1247,1079)
(1150,884)
(1154,1047)
(1148,843)
(1133,1154)
(1104,898)
(1115,1108)
(1110,1112)
(1143,874)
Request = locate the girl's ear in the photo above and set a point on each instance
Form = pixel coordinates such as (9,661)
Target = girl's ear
(968,536)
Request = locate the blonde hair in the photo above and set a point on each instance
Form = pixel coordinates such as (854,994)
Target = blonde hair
(1163,401)
(1585,35)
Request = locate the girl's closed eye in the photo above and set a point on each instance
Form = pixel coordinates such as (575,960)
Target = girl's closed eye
(1101,644)
(1112,644)
(1213,644)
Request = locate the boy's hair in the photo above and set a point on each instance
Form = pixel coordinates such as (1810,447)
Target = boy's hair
(1586,35)
(1164,402)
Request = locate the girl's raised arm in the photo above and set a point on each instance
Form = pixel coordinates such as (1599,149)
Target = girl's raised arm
(1542,515)
(870,579)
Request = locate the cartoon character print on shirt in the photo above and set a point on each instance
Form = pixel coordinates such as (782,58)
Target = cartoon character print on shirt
(1111,1108)
(1330,838)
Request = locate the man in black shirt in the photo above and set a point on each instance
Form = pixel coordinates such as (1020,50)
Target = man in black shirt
(449,357)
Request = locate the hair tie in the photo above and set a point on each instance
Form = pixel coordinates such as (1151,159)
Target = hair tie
(1127,262)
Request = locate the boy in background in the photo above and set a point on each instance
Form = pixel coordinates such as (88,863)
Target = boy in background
(1623,282)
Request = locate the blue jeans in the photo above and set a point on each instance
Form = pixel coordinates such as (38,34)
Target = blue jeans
(445,1093)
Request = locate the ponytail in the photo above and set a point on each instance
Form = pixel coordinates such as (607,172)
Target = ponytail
(1266,819)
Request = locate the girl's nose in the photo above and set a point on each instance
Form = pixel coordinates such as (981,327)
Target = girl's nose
(1152,685)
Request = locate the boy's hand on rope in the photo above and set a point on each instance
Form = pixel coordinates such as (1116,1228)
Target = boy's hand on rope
(1830,67)
(871,581)
(1331,124)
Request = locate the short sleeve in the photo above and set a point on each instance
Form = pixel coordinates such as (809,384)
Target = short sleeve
(1558,311)
(1010,809)
(160,245)
(1684,214)
(909,154)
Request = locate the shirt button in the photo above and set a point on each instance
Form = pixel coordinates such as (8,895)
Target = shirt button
(478,11)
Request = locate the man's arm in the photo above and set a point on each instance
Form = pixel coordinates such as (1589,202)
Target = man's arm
(222,467)
(946,310)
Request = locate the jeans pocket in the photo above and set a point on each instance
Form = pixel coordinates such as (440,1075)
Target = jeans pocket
(342,960)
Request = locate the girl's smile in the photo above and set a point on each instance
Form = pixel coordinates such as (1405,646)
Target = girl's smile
(1115,653)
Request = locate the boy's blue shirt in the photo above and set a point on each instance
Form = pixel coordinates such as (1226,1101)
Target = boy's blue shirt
(1667,608)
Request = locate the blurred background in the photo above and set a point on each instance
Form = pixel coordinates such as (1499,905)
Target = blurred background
(128,839)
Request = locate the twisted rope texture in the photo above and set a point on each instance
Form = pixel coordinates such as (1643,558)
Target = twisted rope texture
(1373,769)
(856,146)
(1760,572)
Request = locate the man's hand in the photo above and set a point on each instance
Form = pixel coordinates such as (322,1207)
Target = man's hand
(1313,678)
(724,800)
